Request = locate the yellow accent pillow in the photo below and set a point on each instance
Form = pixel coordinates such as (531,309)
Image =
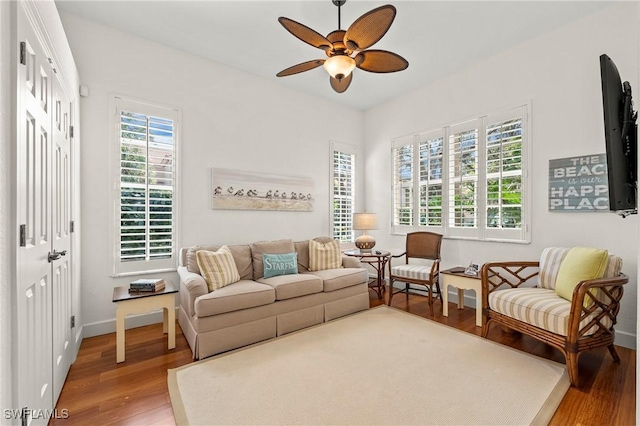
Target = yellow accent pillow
(217,267)
(324,255)
(579,264)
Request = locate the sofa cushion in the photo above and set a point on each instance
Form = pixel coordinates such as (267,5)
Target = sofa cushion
(241,295)
(217,267)
(324,255)
(540,307)
(336,279)
(302,248)
(280,264)
(579,264)
(271,247)
(296,285)
(241,255)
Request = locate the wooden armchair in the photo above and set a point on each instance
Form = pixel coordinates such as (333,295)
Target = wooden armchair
(573,327)
(419,245)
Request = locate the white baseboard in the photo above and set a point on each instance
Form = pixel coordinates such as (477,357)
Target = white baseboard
(623,338)
(626,340)
(133,321)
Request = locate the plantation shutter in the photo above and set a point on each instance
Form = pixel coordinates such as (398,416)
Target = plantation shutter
(343,161)
(505,174)
(146,234)
(463,179)
(431,156)
(403,182)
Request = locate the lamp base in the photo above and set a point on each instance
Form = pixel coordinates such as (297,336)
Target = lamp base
(365,242)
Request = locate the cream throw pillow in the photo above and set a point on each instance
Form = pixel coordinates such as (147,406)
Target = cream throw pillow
(580,264)
(324,255)
(217,267)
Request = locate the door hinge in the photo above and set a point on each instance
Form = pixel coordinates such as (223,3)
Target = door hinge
(53,67)
(71,131)
(23,53)
(23,235)
(73,321)
(72,223)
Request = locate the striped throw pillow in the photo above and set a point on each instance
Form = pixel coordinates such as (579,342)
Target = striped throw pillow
(550,261)
(217,267)
(614,267)
(324,255)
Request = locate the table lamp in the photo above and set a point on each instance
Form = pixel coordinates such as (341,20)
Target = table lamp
(365,222)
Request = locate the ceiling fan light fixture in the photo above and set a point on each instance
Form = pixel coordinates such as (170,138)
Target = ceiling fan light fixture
(340,45)
(339,66)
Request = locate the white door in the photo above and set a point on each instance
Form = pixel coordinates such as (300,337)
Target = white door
(34,287)
(43,210)
(61,216)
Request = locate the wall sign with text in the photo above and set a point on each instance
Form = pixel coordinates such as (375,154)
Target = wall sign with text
(579,184)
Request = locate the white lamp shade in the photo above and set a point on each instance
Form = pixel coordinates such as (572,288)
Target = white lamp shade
(339,66)
(365,221)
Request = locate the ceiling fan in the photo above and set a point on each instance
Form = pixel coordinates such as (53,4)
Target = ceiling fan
(346,49)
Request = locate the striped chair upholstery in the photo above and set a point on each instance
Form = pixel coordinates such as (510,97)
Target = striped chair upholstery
(541,307)
(416,272)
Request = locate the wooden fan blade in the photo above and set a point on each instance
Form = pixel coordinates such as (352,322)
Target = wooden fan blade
(380,61)
(340,85)
(369,28)
(305,66)
(305,33)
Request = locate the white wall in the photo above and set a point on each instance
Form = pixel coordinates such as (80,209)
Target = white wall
(6,209)
(559,73)
(230,119)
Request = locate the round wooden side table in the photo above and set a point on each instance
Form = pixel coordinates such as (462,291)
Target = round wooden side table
(378,260)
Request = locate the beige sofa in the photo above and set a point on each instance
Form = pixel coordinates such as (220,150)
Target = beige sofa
(257,308)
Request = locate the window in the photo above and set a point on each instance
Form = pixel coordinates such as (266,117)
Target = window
(431,154)
(477,192)
(403,177)
(146,198)
(463,185)
(343,202)
(504,174)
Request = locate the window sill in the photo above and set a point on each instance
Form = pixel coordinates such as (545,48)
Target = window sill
(487,240)
(147,272)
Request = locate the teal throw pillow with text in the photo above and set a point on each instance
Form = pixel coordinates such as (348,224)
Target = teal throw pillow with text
(280,264)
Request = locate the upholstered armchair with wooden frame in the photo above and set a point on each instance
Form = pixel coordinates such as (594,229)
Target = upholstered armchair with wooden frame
(419,245)
(573,327)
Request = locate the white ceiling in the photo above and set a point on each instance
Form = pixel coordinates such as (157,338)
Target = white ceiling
(436,37)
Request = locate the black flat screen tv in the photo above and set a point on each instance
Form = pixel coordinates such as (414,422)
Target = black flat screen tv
(621,139)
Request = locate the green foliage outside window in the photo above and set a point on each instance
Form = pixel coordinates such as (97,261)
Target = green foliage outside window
(146,187)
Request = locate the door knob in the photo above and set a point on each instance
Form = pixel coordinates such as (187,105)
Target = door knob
(55,255)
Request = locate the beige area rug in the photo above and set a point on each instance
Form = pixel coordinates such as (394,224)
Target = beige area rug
(380,366)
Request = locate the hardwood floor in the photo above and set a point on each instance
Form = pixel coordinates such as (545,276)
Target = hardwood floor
(100,392)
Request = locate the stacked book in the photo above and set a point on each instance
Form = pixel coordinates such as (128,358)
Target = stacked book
(146,285)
